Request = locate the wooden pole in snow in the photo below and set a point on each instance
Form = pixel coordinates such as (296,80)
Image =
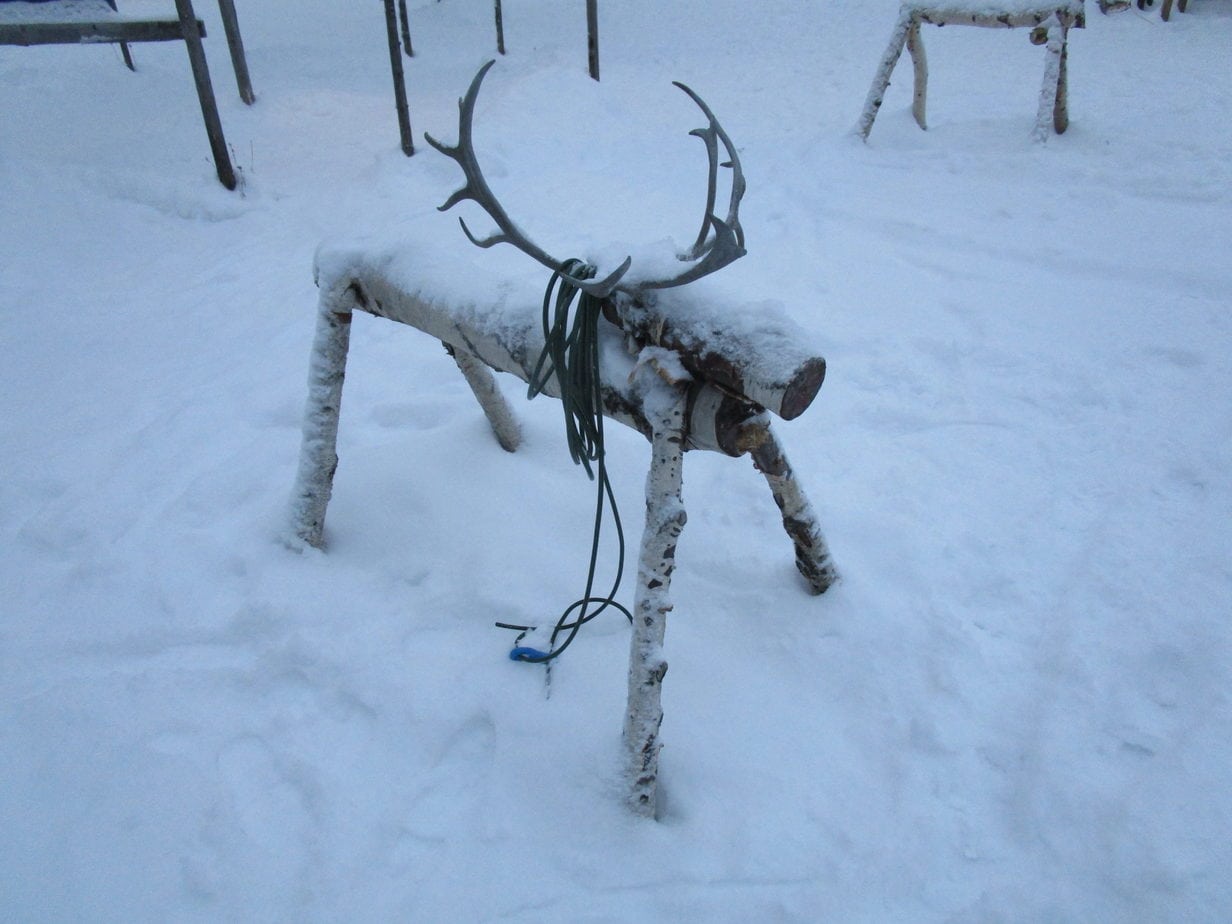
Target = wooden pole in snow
(395,66)
(205,93)
(665,518)
(592,37)
(235,45)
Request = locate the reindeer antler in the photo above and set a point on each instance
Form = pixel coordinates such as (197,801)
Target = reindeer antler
(704,257)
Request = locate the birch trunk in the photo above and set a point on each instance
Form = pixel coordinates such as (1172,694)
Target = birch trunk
(665,518)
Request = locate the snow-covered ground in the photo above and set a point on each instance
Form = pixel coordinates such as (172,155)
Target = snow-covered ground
(1015,706)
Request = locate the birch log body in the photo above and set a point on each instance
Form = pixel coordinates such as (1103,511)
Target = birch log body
(773,367)
(510,340)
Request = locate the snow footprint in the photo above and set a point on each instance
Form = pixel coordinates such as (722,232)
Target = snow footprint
(456,793)
(270,804)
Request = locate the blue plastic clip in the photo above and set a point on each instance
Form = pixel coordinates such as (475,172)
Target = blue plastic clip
(527,654)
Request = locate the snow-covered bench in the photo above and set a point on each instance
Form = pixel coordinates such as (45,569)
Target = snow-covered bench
(1049,21)
(72,22)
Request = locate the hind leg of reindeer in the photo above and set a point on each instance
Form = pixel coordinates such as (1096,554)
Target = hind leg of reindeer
(483,384)
(812,554)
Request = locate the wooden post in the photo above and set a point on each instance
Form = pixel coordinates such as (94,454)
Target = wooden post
(483,384)
(665,518)
(235,44)
(318,456)
(500,29)
(406,28)
(919,61)
(1060,109)
(592,36)
(205,92)
(395,66)
(812,554)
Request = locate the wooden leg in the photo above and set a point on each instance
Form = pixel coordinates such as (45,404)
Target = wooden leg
(128,56)
(1060,109)
(205,92)
(1166,12)
(235,44)
(881,81)
(318,455)
(483,383)
(1046,116)
(395,66)
(919,61)
(500,28)
(665,518)
(812,554)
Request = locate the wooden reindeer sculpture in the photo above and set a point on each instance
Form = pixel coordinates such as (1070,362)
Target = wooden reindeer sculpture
(694,379)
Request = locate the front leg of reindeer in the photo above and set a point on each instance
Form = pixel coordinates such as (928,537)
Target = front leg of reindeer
(665,518)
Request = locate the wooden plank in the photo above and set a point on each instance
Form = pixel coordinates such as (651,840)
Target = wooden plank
(73,33)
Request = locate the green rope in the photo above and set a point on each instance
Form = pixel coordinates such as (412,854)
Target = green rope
(571,353)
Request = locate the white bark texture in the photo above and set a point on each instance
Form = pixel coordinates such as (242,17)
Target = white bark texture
(483,384)
(881,80)
(665,518)
(813,558)
(318,457)
(919,62)
(1052,113)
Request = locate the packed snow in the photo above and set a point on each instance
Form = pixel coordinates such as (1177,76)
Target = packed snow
(1014,706)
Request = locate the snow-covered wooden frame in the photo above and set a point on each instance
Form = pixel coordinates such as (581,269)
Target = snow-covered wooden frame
(67,23)
(1050,23)
(647,391)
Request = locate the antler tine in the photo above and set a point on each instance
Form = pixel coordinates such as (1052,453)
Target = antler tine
(727,245)
(477,190)
(708,134)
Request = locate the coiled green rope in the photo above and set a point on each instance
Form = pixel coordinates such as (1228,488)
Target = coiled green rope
(571,353)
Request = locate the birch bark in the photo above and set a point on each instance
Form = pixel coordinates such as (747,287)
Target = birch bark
(665,518)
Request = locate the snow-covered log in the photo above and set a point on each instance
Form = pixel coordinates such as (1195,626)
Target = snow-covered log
(772,365)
